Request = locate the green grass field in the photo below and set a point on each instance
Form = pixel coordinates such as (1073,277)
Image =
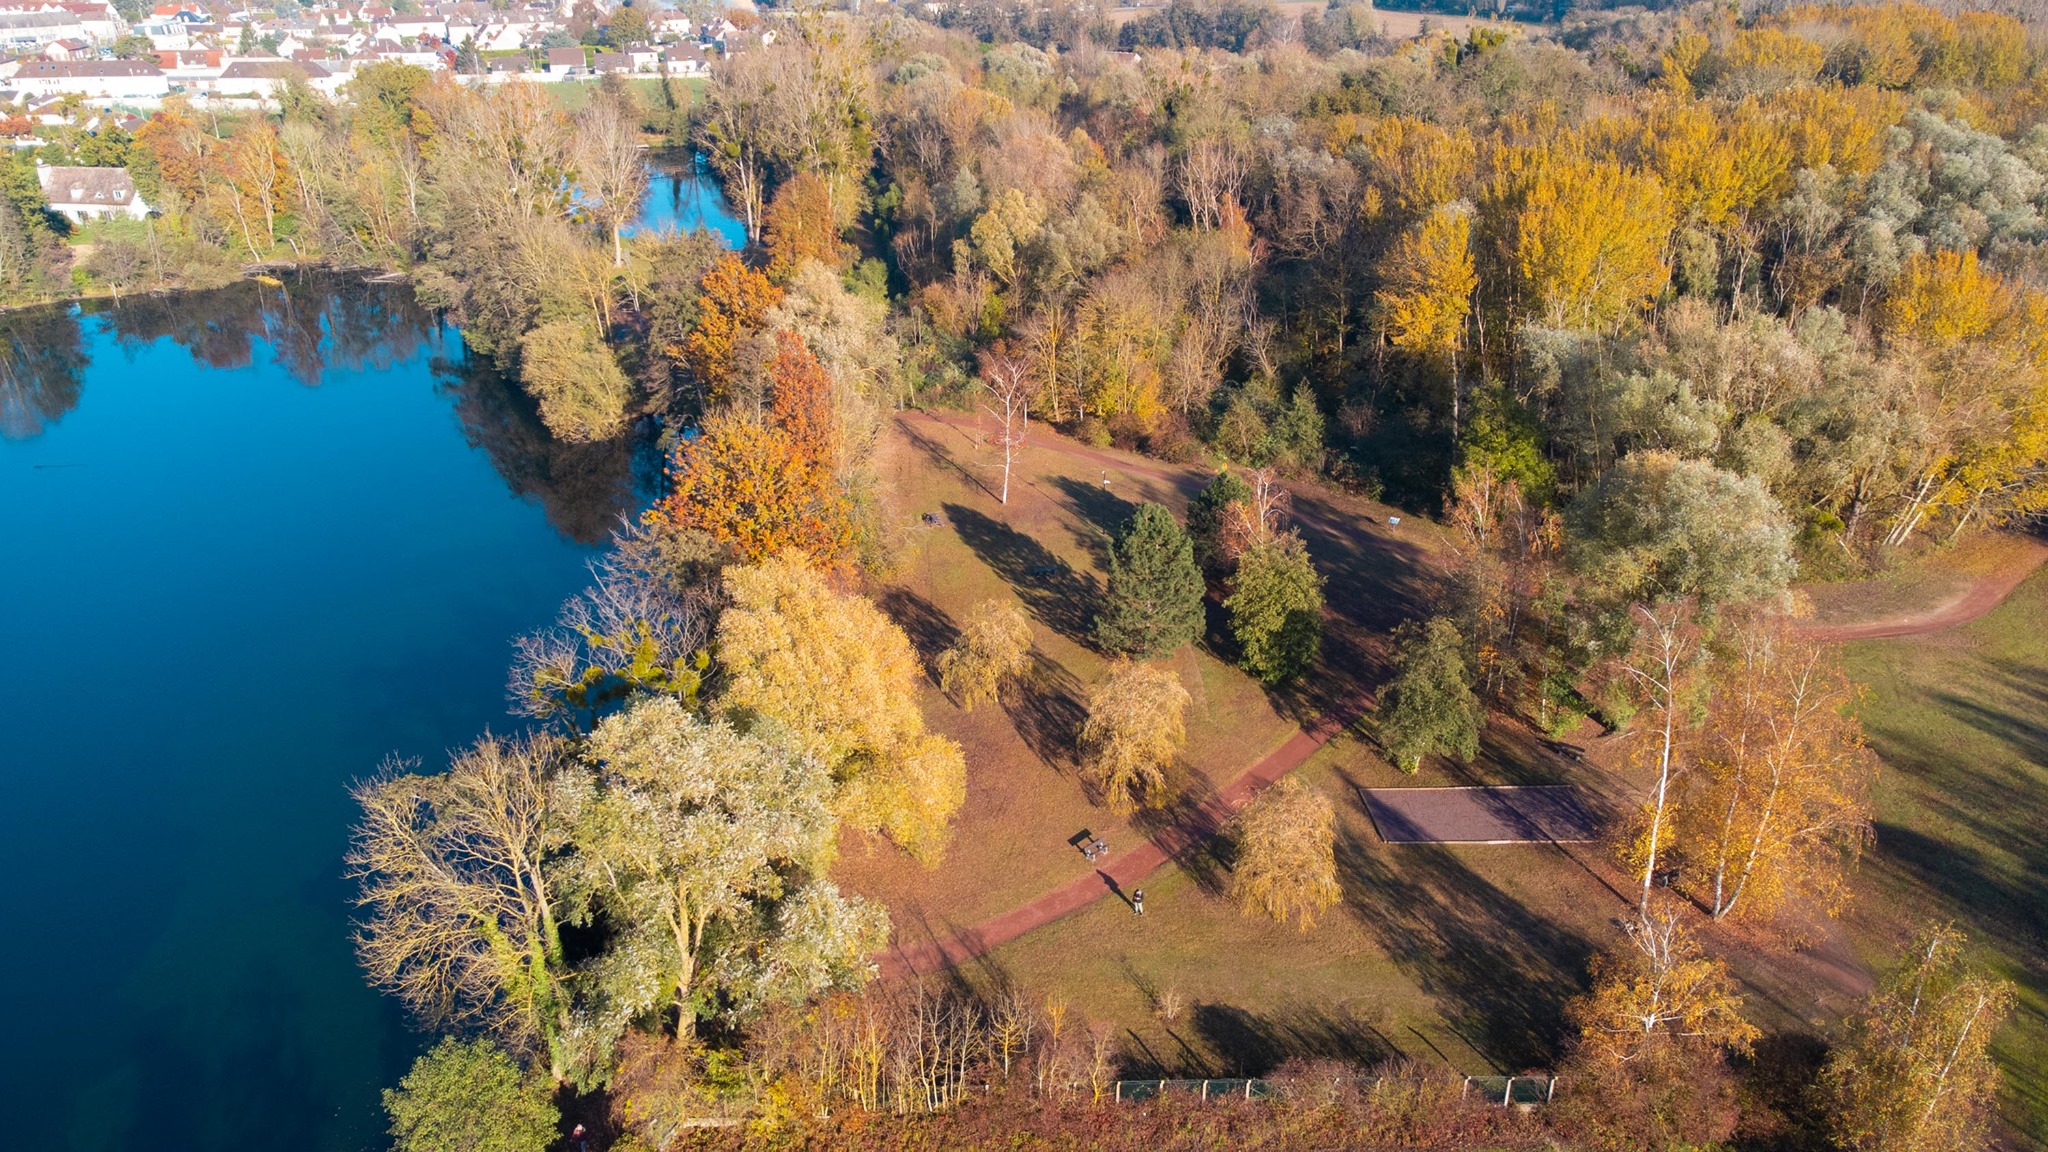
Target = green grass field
(1961,720)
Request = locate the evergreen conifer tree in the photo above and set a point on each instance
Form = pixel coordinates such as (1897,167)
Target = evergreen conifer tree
(1155,591)
(1205,517)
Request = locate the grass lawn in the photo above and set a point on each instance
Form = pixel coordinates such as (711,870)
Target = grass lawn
(1026,797)
(1459,954)
(1961,720)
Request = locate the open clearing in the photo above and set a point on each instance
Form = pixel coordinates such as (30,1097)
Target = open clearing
(1462,954)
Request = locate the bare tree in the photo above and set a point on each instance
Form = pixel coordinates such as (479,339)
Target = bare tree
(1664,654)
(613,176)
(638,627)
(456,873)
(1006,377)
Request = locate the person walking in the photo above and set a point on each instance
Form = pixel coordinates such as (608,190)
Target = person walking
(1138,901)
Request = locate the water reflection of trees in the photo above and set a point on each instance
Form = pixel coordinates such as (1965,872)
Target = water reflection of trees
(584,488)
(311,323)
(42,363)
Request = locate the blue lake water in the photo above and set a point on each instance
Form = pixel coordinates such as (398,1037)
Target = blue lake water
(255,541)
(683,197)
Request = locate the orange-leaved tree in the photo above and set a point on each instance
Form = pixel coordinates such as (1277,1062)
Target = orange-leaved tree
(800,226)
(767,486)
(734,305)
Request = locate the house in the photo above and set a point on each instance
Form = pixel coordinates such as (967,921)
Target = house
(611,62)
(263,77)
(684,60)
(92,193)
(29,31)
(566,62)
(102,79)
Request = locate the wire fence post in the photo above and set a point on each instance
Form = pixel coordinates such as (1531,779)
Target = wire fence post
(1507,1093)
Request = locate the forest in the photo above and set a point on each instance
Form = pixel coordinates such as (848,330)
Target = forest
(1656,313)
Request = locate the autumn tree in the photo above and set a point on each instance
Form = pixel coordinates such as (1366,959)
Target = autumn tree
(457,877)
(1648,1060)
(800,226)
(763,487)
(1428,279)
(1662,666)
(568,369)
(1154,601)
(1916,1074)
(1777,803)
(733,304)
(1429,708)
(1583,239)
(1286,862)
(842,677)
(1133,733)
(699,845)
(1276,609)
(1659,995)
(994,649)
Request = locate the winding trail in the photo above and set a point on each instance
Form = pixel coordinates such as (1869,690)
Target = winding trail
(1984,593)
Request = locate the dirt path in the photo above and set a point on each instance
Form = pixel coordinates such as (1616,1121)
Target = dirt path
(1189,831)
(1983,594)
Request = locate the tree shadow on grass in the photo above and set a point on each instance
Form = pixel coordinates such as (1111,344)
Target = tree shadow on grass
(1190,826)
(1045,707)
(930,630)
(1100,508)
(1247,1043)
(1500,971)
(1063,599)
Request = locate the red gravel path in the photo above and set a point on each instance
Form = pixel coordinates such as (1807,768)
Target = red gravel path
(1124,871)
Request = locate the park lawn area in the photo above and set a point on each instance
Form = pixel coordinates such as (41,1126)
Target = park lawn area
(574,95)
(1961,721)
(1917,585)
(1026,797)
(1047,550)
(1460,956)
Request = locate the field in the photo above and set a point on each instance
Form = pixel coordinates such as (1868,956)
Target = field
(1961,720)
(1458,955)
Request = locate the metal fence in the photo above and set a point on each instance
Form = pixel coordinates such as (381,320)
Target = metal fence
(1502,1090)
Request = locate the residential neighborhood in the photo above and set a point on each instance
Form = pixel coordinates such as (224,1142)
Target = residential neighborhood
(85,52)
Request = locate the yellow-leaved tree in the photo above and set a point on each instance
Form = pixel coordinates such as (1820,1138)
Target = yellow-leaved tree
(1916,1074)
(1286,864)
(1659,996)
(1426,288)
(1134,731)
(1778,800)
(1979,346)
(994,648)
(842,678)
(1582,239)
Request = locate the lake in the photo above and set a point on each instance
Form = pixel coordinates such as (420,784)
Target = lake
(257,540)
